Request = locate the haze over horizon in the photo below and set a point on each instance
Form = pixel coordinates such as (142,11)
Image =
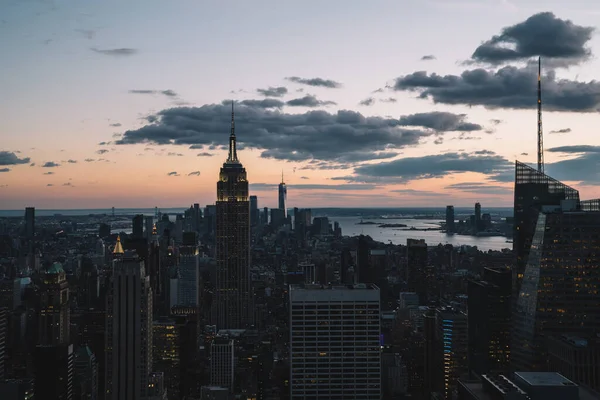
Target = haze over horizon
(127,104)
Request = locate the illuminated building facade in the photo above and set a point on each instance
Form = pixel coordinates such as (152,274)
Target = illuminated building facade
(451,350)
(559,292)
(166,352)
(53,307)
(232,307)
(335,342)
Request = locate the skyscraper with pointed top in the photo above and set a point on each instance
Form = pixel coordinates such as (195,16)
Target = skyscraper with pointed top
(540,132)
(282,195)
(231,308)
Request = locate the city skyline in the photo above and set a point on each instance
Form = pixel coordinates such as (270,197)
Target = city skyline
(121,106)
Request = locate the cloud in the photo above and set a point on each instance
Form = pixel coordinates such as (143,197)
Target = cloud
(120,52)
(32,164)
(367,102)
(304,177)
(308,101)
(168,92)
(264,103)
(116,125)
(565,130)
(481,188)
(496,121)
(173,173)
(578,148)
(431,166)
(414,192)
(68,184)
(350,186)
(278,91)
(49,184)
(542,35)
(582,168)
(101,151)
(524,154)
(509,87)
(72,161)
(428,57)
(388,100)
(4,169)
(49,173)
(10,158)
(174,154)
(440,121)
(195,173)
(438,140)
(205,154)
(320,82)
(116,135)
(314,135)
(89,160)
(104,143)
(50,164)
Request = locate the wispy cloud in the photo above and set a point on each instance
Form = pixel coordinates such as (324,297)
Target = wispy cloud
(195,173)
(173,173)
(119,52)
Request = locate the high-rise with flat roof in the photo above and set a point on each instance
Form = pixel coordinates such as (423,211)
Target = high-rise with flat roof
(335,342)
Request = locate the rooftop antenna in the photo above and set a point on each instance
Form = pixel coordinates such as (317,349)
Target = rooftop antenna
(540,133)
(232,147)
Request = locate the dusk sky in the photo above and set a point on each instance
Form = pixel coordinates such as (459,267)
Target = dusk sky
(360,104)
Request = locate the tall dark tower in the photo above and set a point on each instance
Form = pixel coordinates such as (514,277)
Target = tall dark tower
(540,133)
(231,305)
(282,195)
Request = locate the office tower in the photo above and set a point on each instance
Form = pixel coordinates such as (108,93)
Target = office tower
(29,223)
(346,267)
(416,263)
(277,217)
(450,350)
(89,285)
(54,371)
(477,216)
(149,222)
(17,389)
(558,294)
(53,307)
(254,213)
(189,272)
(489,312)
(231,305)
(282,195)
(137,226)
(3,340)
(103,231)
(335,342)
(85,374)
(431,370)
(265,216)
(222,362)
(362,260)
(128,330)
(450,219)
(166,352)
(533,190)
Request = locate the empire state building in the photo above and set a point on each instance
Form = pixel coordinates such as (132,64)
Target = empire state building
(231,304)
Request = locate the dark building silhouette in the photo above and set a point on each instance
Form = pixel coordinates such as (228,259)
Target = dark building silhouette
(489,306)
(137,227)
(54,371)
(254,212)
(53,324)
(85,374)
(282,195)
(450,228)
(363,269)
(231,305)
(416,265)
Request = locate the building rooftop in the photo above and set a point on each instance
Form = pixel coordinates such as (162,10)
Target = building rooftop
(544,379)
(56,268)
(358,286)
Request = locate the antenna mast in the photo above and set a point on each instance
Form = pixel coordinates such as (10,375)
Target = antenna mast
(540,133)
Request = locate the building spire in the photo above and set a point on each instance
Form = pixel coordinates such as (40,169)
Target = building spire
(232,158)
(540,133)
(282,177)
(118,247)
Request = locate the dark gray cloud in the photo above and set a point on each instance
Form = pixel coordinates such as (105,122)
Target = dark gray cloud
(195,173)
(32,164)
(509,87)
(50,164)
(581,168)
(439,140)
(440,121)
(116,125)
(10,158)
(72,161)
(116,52)
(168,93)
(320,82)
(278,91)
(564,130)
(524,154)
(481,188)
(49,173)
(116,135)
(104,143)
(432,166)
(428,57)
(496,121)
(173,173)
(350,186)
(264,103)
(205,154)
(89,160)
(49,184)
(4,169)
(369,101)
(314,135)
(578,148)
(101,151)
(171,154)
(304,177)
(308,101)
(414,192)
(542,35)
(388,100)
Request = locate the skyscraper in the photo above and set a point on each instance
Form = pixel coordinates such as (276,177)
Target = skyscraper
(128,330)
(254,213)
(416,263)
(334,342)
(450,219)
(231,305)
(282,195)
(137,227)
(450,349)
(53,307)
